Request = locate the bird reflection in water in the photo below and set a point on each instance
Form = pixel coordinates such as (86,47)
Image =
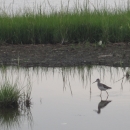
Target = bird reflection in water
(102,104)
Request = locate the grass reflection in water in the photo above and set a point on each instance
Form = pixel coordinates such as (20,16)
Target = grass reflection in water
(15,100)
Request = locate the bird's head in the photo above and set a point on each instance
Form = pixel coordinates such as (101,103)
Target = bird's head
(97,80)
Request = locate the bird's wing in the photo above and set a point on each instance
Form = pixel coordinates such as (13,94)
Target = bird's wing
(105,86)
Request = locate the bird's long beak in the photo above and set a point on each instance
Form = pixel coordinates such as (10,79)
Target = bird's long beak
(94,81)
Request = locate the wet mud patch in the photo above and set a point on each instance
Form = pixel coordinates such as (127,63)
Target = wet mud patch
(116,54)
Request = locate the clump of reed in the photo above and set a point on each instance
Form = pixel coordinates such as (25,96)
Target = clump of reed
(15,98)
(79,24)
(11,96)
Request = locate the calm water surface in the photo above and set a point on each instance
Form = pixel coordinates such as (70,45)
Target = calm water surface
(66,99)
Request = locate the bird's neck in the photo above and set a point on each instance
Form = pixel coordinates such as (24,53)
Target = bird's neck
(98,82)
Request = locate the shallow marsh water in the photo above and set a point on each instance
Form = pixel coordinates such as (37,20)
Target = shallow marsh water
(66,99)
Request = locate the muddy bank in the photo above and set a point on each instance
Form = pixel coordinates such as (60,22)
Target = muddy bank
(117,54)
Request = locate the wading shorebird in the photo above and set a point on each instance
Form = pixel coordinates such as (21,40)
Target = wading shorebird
(102,87)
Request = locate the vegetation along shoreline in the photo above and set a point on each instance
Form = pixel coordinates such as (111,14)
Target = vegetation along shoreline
(68,37)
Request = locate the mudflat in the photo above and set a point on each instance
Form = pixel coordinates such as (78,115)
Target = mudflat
(58,55)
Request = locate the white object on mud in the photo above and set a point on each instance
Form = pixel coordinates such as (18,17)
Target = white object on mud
(100,43)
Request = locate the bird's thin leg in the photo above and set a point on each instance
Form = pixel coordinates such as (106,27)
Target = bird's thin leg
(101,97)
(101,93)
(107,97)
(107,93)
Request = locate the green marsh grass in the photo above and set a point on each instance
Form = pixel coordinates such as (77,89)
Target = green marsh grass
(13,96)
(9,95)
(79,24)
(13,93)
